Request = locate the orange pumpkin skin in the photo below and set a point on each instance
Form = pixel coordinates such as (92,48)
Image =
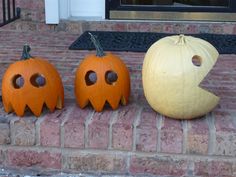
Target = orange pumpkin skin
(101,92)
(17,99)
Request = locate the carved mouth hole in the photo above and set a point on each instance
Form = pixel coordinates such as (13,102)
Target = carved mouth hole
(38,80)
(197,60)
(18,81)
(111,77)
(90,78)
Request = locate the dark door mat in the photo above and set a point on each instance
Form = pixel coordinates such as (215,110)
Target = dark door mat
(141,41)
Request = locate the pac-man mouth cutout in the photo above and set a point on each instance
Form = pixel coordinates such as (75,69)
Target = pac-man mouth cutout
(173,69)
(197,61)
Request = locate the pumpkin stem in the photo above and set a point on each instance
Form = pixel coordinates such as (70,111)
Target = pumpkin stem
(25,54)
(181,40)
(96,43)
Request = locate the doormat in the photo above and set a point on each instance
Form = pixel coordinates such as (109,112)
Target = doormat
(141,41)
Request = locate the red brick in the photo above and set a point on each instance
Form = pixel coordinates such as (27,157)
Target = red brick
(225,134)
(24,131)
(234,29)
(29,158)
(50,128)
(120,27)
(171,136)
(158,166)
(228,28)
(140,27)
(146,131)
(217,29)
(224,122)
(95,163)
(198,136)
(192,29)
(168,28)
(234,169)
(213,168)
(2,157)
(98,130)
(30,4)
(4,133)
(122,129)
(74,127)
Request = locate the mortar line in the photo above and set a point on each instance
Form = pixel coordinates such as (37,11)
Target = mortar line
(135,124)
(128,163)
(111,122)
(115,152)
(12,131)
(212,133)
(159,123)
(185,135)
(88,120)
(37,130)
(62,129)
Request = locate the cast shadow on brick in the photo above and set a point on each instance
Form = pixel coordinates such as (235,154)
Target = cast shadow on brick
(141,41)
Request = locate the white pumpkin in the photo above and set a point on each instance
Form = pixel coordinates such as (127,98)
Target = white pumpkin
(173,68)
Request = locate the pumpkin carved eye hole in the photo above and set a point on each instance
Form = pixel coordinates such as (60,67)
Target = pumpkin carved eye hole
(38,80)
(111,77)
(18,81)
(90,78)
(197,60)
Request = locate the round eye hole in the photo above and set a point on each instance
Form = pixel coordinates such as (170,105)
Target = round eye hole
(197,60)
(111,77)
(38,80)
(90,78)
(18,81)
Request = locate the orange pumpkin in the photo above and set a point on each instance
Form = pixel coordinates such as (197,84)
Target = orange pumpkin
(102,78)
(31,83)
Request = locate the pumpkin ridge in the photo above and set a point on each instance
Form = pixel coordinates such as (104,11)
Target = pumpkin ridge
(123,100)
(98,106)
(19,111)
(8,108)
(60,102)
(114,104)
(36,110)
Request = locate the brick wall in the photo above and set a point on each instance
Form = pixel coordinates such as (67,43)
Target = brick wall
(33,18)
(132,140)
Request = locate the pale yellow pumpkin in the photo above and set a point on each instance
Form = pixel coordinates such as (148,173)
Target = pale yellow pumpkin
(173,68)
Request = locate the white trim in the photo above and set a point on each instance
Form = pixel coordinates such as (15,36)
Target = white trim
(51,11)
(69,9)
(87,8)
(64,9)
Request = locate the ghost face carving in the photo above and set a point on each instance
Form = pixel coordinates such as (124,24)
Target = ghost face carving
(172,70)
(33,83)
(102,79)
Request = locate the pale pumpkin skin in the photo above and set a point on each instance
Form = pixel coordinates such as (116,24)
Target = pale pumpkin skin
(171,80)
(51,94)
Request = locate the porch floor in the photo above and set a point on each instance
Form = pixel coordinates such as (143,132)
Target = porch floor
(133,139)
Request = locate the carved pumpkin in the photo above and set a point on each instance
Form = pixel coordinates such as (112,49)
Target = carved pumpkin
(31,83)
(172,70)
(102,78)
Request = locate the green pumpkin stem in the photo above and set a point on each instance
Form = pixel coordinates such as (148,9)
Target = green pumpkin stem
(25,54)
(96,43)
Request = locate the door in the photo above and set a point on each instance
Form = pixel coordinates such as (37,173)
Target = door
(87,8)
